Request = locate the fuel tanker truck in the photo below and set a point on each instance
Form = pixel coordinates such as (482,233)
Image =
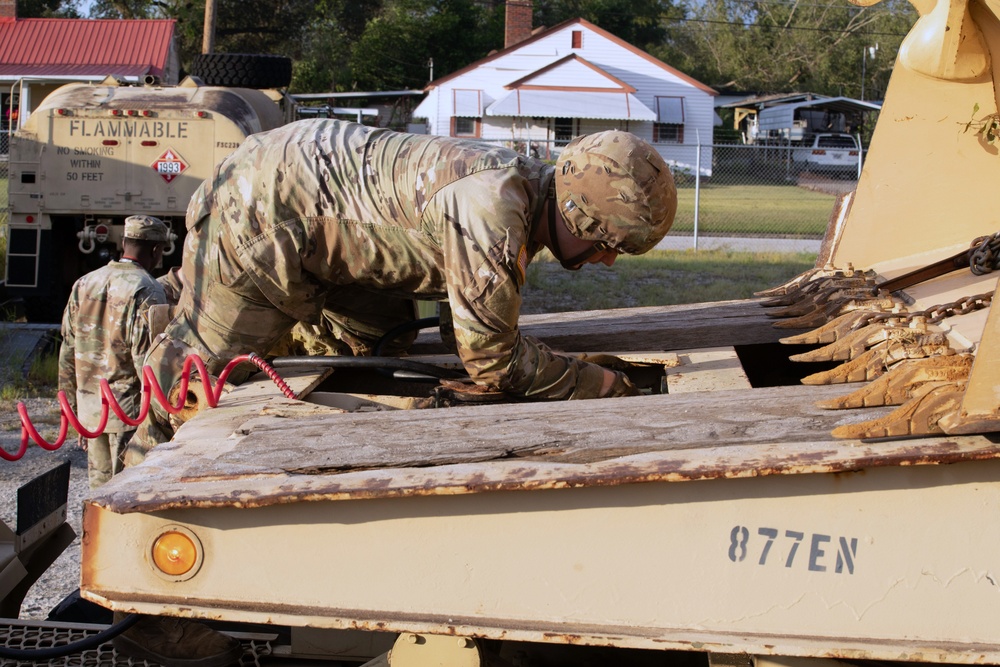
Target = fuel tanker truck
(91,155)
(810,478)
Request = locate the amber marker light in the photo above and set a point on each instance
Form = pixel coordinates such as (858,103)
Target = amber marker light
(175,553)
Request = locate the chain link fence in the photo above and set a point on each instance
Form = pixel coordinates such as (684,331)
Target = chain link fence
(767,193)
(760,197)
(4,215)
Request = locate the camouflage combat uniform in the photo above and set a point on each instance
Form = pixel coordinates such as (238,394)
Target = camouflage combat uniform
(337,224)
(105,335)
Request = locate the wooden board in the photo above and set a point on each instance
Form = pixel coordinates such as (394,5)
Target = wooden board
(710,369)
(659,328)
(251,452)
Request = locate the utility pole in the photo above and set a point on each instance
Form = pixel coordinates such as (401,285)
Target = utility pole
(208,36)
(865,53)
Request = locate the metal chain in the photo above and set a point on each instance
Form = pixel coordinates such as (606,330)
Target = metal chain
(986,257)
(934,314)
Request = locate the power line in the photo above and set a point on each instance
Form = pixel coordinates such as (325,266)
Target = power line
(766,26)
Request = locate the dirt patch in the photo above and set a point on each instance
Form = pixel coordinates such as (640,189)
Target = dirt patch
(826,183)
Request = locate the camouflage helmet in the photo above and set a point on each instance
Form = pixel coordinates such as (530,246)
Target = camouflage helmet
(614,187)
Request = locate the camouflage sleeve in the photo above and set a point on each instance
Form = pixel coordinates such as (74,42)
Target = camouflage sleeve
(140,338)
(67,351)
(172,285)
(484,242)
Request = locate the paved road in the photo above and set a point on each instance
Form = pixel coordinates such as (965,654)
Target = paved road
(746,244)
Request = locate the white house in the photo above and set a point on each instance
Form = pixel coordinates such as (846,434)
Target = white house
(572,79)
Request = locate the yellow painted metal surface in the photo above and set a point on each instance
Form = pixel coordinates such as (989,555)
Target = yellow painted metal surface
(878,564)
(924,181)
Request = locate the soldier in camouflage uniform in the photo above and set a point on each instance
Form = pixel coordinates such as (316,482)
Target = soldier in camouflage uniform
(339,225)
(105,334)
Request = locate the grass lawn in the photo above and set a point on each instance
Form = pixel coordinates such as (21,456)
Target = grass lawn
(755,210)
(658,278)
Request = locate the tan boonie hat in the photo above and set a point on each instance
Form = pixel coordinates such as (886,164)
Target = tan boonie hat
(146,228)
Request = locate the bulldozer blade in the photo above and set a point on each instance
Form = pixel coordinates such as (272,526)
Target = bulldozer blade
(824,313)
(784,288)
(821,291)
(831,331)
(819,316)
(858,341)
(867,366)
(878,359)
(902,381)
(918,416)
(843,348)
(802,293)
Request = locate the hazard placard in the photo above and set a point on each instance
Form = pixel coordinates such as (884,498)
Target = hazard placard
(170,165)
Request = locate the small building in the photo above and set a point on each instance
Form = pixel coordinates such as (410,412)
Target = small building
(794,118)
(39,55)
(546,87)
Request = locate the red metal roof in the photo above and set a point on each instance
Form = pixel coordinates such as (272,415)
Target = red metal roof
(77,47)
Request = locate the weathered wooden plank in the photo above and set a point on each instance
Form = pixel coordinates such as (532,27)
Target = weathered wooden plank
(711,369)
(253,453)
(742,322)
(575,431)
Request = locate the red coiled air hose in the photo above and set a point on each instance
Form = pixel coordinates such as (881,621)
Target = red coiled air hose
(150,386)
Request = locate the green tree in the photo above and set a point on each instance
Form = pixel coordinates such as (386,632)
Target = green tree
(786,45)
(35,9)
(324,62)
(277,27)
(642,23)
(397,46)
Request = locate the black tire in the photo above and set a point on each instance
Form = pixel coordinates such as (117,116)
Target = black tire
(243,70)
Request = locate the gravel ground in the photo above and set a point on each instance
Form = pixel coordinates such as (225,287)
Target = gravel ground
(64,576)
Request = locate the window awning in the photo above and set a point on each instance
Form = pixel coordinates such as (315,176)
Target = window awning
(615,105)
(468,103)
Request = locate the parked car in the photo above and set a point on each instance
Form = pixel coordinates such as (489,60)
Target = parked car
(830,153)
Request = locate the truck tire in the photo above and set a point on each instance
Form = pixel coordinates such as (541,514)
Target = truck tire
(243,70)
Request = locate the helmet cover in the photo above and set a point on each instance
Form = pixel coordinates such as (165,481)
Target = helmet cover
(614,187)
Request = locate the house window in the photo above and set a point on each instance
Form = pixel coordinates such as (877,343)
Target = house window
(465,127)
(669,125)
(564,129)
(577,39)
(668,133)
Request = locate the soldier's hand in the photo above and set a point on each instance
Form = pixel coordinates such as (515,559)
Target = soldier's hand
(81,442)
(618,384)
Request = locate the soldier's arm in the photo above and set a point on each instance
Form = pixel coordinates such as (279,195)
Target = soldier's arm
(171,283)
(67,352)
(140,336)
(485,263)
